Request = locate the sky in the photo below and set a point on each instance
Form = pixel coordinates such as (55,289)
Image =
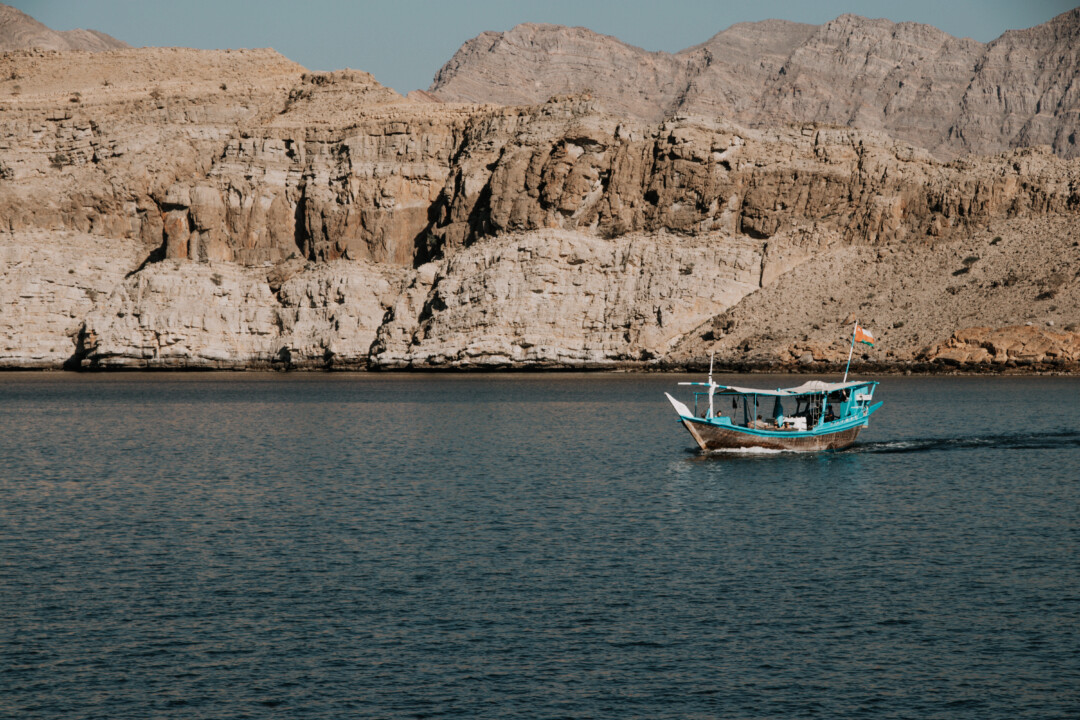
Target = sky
(404,42)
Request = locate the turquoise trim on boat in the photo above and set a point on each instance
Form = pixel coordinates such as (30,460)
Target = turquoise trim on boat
(853,415)
(824,429)
(817,415)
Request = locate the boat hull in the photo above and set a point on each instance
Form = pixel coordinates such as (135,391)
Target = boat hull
(716,437)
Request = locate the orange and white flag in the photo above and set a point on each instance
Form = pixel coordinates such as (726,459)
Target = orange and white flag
(863,335)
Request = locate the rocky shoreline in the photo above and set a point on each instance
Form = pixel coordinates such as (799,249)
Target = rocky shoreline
(922,369)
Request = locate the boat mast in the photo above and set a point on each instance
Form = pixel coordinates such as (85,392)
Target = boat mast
(851,351)
(712,385)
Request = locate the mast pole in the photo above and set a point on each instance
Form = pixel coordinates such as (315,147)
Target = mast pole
(851,351)
(712,385)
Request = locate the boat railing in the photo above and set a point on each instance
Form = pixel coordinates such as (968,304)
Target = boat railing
(812,410)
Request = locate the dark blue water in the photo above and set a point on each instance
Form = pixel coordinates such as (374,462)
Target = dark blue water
(327,546)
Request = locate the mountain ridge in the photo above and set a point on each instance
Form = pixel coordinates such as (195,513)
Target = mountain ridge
(179,208)
(19,31)
(919,84)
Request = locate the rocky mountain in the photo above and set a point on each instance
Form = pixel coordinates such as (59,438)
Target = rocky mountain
(19,31)
(173,208)
(914,82)
(182,208)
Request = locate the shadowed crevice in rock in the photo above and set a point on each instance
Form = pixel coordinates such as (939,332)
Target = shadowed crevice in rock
(426,244)
(155,255)
(75,362)
(479,221)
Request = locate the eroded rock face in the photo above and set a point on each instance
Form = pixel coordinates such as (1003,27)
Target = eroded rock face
(911,81)
(48,284)
(263,216)
(1013,273)
(580,170)
(332,165)
(549,298)
(118,143)
(564,299)
(179,314)
(1016,345)
(236,156)
(533,62)
(219,315)
(1024,90)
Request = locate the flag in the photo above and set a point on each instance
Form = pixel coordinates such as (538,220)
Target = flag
(863,335)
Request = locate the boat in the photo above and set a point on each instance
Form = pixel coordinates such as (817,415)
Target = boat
(810,417)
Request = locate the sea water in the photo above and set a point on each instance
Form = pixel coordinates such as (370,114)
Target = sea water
(529,546)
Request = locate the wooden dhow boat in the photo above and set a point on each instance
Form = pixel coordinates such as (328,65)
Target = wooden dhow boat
(810,417)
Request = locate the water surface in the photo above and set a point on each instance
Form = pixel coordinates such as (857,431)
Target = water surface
(531,546)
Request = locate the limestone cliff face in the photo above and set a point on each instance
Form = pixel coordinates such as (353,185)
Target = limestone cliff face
(533,62)
(49,282)
(173,208)
(95,142)
(695,175)
(332,165)
(904,79)
(914,82)
(238,156)
(177,314)
(1024,90)
(551,298)
(564,299)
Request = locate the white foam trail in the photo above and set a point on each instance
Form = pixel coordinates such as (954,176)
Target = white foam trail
(895,445)
(748,451)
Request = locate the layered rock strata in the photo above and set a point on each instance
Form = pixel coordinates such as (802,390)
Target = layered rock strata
(177,314)
(229,209)
(49,283)
(565,299)
(695,175)
(550,298)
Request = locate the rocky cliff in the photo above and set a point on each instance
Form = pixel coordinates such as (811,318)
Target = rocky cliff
(930,305)
(174,208)
(913,82)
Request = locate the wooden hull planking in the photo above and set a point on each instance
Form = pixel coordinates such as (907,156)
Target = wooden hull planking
(714,437)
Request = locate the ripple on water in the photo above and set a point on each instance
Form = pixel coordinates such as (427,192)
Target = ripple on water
(528,546)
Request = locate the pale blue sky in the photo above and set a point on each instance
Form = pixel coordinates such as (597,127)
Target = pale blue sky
(403,42)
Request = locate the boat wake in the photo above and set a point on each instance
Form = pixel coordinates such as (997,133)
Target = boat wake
(746,451)
(1025,441)
(1018,441)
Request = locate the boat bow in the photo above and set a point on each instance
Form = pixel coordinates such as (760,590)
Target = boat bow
(684,412)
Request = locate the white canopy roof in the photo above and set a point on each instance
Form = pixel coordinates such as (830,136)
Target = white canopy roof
(807,388)
(812,386)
